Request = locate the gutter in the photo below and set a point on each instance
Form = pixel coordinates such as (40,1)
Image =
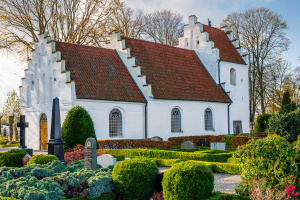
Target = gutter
(228,118)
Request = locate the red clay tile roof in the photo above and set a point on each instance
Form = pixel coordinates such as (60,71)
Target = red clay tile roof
(98,73)
(174,73)
(222,42)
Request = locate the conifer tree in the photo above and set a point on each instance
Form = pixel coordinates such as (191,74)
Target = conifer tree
(286,99)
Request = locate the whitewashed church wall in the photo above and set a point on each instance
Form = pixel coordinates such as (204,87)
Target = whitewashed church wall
(192,118)
(239,93)
(133,118)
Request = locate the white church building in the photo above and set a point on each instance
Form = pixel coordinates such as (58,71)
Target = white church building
(135,89)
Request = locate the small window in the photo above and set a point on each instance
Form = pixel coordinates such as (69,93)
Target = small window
(208,119)
(232,76)
(175,120)
(115,123)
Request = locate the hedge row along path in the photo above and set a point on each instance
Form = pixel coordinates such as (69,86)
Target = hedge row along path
(223,182)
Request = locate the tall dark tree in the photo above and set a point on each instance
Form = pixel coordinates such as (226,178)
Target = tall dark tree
(286,99)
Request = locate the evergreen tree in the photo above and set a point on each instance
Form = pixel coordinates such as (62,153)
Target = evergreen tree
(286,99)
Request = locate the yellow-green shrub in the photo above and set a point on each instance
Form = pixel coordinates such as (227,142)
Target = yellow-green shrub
(41,159)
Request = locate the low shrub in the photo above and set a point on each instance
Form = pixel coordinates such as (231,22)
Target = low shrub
(134,179)
(133,144)
(3,140)
(224,196)
(262,122)
(41,159)
(77,153)
(119,157)
(166,162)
(227,168)
(234,160)
(288,108)
(12,158)
(178,184)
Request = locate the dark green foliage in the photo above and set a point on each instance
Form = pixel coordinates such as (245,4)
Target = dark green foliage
(12,158)
(7,198)
(135,179)
(285,99)
(41,159)
(188,181)
(224,196)
(288,108)
(262,122)
(77,127)
(286,125)
(119,157)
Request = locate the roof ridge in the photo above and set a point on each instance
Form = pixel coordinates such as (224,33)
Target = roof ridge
(81,45)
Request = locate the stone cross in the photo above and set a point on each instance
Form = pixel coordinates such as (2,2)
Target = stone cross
(56,143)
(22,125)
(11,128)
(90,155)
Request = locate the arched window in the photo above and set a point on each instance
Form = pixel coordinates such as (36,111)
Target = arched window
(208,119)
(115,123)
(175,120)
(232,76)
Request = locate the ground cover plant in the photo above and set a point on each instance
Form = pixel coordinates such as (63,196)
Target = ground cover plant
(54,180)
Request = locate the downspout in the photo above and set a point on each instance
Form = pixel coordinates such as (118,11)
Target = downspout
(219,71)
(228,118)
(146,133)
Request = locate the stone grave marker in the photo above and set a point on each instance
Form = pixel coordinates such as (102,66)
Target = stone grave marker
(187,145)
(26,159)
(11,128)
(218,146)
(56,143)
(23,125)
(90,155)
(105,160)
(156,138)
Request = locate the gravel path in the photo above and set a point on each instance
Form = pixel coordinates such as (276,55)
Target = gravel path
(223,182)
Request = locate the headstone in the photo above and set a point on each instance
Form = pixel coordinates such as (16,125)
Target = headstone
(156,138)
(106,160)
(26,159)
(218,146)
(187,145)
(23,125)
(15,132)
(56,143)
(204,142)
(11,128)
(252,124)
(90,155)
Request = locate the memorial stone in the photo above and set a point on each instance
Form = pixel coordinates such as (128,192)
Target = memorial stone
(11,128)
(187,145)
(106,160)
(26,159)
(217,146)
(90,155)
(156,138)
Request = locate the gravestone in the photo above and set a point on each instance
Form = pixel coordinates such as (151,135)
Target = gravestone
(23,125)
(15,132)
(11,128)
(106,160)
(252,127)
(26,159)
(204,142)
(218,146)
(156,138)
(187,145)
(56,143)
(90,155)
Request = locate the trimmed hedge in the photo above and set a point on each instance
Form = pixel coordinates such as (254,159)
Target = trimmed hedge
(223,196)
(188,181)
(161,162)
(234,160)
(228,168)
(133,144)
(119,157)
(12,158)
(41,159)
(165,154)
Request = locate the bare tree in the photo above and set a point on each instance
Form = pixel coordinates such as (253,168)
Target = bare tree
(163,27)
(262,33)
(77,21)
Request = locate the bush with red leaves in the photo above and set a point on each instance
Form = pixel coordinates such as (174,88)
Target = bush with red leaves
(77,153)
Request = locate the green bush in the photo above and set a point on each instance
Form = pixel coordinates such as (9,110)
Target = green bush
(7,198)
(271,160)
(12,158)
(223,196)
(286,125)
(262,122)
(234,160)
(288,108)
(42,159)
(286,99)
(3,140)
(119,157)
(228,168)
(187,181)
(77,128)
(134,179)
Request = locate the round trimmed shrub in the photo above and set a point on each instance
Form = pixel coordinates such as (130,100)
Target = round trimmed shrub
(135,179)
(77,127)
(12,158)
(187,181)
(41,159)
(262,122)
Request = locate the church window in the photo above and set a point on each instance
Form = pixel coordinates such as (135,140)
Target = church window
(232,76)
(175,120)
(115,123)
(208,119)
(38,91)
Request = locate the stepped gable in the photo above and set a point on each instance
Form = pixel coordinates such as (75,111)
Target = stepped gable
(222,42)
(174,73)
(98,73)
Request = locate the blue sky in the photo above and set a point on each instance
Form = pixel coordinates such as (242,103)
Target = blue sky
(216,10)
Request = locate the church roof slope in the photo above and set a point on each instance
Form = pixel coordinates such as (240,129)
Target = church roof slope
(174,73)
(222,42)
(98,73)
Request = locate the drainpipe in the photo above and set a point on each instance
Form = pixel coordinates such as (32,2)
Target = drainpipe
(146,134)
(228,118)
(219,71)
